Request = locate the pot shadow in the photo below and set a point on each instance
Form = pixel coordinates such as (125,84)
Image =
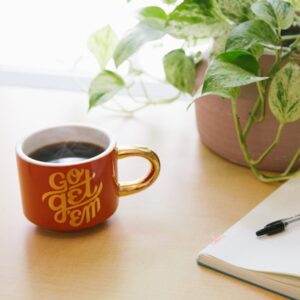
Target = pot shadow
(73,264)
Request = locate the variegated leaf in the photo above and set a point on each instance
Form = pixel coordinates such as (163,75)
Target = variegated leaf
(277,13)
(284,94)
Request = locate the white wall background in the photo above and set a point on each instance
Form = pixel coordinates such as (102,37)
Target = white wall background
(52,34)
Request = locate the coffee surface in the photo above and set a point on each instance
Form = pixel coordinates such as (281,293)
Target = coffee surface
(67,152)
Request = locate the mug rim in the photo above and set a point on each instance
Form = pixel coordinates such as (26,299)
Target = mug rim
(22,155)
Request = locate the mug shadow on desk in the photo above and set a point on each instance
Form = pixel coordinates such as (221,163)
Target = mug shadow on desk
(68,264)
(102,227)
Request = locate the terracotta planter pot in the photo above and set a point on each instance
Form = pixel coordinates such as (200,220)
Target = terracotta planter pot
(217,132)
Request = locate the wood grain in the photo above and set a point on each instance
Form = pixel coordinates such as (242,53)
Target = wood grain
(148,249)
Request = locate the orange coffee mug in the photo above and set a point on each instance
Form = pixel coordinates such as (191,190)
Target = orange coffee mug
(69,177)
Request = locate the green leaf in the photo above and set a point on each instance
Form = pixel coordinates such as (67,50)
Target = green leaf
(104,87)
(252,33)
(180,70)
(195,11)
(189,31)
(154,16)
(197,57)
(197,19)
(102,44)
(218,90)
(242,59)
(236,10)
(257,50)
(284,96)
(228,71)
(170,1)
(277,13)
(295,3)
(133,40)
(220,41)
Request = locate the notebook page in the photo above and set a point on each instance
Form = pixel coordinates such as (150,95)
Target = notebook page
(279,253)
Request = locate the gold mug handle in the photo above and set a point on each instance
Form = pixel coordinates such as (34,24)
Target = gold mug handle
(127,188)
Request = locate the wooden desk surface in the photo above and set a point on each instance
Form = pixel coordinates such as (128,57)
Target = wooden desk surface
(148,249)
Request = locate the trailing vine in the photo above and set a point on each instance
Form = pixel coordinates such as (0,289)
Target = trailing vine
(238,66)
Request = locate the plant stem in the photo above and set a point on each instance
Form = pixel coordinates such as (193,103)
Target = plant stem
(289,37)
(133,98)
(238,128)
(251,118)
(141,104)
(275,65)
(292,163)
(167,100)
(115,110)
(243,146)
(160,101)
(286,54)
(294,45)
(268,179)
(260,103)
(261,93)
(271,147)
(280,54)
(241,139)
(124,111)
(144,90)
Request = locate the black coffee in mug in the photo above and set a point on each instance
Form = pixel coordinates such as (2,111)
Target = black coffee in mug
(66,152)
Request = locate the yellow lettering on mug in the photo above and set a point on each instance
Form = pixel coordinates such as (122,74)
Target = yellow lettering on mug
(73,197)
(57,181)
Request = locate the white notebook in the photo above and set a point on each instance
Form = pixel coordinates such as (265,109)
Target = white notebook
(271,262)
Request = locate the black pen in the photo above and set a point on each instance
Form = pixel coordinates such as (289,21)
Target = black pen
(277,226)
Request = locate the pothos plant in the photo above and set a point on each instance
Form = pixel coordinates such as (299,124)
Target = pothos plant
(188,21)
(242,31)
(238,66)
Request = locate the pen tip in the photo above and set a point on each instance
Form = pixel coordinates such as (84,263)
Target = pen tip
(261,232)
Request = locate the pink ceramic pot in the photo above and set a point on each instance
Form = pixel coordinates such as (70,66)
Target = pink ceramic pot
(217,132)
